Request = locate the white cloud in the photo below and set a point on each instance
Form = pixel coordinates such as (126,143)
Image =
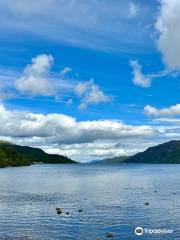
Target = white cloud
(145,80)
(58,131)
(139,78)
(168,43)
(132,11)
(65,128)
(35,77)
(83,87)
(81,140)
(170,120)
(92,24)
(171,111)
(167,25)
(94,96)
(90,93)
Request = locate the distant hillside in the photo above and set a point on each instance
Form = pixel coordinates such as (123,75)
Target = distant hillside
(11,158)
(16,155)
(168,152)
(114,160)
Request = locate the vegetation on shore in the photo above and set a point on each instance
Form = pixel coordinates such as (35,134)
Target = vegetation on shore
(16,155)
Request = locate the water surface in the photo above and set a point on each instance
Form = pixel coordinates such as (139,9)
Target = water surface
(112,199)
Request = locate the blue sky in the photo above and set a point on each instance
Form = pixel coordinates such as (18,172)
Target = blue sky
(110,68)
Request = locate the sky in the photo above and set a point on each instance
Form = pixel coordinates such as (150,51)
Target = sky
(90,79)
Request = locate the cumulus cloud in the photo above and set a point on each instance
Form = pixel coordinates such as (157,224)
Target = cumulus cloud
(166,24)
(168,44)
(81,140)
(38,79)
(90,93)
(35,77)
(58,131)
(139,78)
(63,128)
(83,87)
(171,111)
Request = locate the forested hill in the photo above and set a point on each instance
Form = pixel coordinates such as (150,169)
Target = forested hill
(166,153)
(16,155)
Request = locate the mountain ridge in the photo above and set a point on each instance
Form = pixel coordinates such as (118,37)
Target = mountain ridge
(17,155)
(114,160)
(165,153)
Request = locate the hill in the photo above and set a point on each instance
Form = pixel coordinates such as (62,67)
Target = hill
(16,155)
(11,158)
(166,153)
(114,160)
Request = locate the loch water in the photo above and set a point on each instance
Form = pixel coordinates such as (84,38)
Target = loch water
(112,199)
